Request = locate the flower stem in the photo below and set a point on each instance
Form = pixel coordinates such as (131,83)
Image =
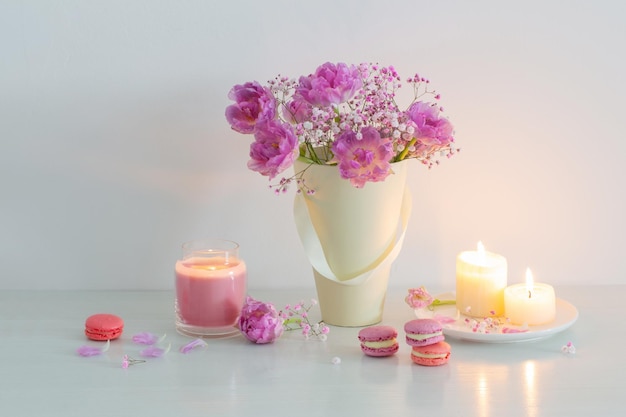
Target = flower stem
(437,303)
(306,160)
(405,150)
(293,320)
(311,153)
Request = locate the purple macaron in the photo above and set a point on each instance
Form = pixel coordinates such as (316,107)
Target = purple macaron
(423,332)
(379,340)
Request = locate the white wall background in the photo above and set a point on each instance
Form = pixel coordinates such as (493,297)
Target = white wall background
(115,150)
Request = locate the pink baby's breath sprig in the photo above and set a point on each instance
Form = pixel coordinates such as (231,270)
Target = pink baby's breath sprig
(568,348)
(486,325)
(128,361)
(283,185)
(492,324)
(296,317)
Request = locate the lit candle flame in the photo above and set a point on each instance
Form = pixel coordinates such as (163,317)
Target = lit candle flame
(480,251)
(481,248)
(529,282)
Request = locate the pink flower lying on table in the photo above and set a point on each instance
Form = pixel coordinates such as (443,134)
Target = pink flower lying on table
(260,322)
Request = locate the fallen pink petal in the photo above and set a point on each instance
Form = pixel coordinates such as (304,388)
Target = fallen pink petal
(155,351)
(512,330)
(192,345)
(87,351)
(444,319)
(145,338)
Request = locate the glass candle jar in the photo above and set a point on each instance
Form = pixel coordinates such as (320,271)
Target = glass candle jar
(210,288)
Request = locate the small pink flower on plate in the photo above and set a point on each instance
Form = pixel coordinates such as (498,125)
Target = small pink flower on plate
(418,298)
(513,330)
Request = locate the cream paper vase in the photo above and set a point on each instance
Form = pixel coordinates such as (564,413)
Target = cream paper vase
(351,237)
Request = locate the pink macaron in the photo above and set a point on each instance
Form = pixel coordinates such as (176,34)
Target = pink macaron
(431,355)
(422,332)
(103,327)
(379,340)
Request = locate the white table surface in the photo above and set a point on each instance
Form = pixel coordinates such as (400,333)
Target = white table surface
(43,376)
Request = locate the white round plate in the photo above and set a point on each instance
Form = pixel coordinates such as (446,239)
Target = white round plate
(566,315)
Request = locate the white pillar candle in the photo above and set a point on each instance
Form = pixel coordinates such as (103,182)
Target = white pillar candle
(480,283)
(530,303)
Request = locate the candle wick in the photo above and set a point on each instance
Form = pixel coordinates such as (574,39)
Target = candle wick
(529,294)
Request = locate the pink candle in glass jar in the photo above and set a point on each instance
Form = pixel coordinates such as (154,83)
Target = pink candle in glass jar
(210,288)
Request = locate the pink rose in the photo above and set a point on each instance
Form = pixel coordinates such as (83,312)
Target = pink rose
(365,159)
(260,322)
(331,84)
(254,104)
(274,148)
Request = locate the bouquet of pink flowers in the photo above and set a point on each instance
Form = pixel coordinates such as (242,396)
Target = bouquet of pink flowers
(343,115)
